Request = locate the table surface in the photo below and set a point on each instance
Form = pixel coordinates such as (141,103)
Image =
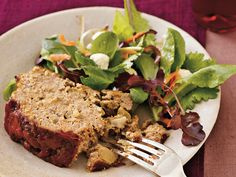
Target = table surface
(220,148)
(218,156)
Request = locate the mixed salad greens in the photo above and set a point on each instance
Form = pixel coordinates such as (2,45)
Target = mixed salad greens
(129,58)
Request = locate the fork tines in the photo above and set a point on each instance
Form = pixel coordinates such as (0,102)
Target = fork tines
(146,153)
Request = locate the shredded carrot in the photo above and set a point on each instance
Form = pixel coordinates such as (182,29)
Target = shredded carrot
(139,35)
(171,80)
(59,57)
(134,37)
(63,40)
(125,53)
(171,76)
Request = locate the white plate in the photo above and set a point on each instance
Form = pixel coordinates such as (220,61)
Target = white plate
(21,45)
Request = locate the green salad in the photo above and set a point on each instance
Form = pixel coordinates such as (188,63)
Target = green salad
(127,57)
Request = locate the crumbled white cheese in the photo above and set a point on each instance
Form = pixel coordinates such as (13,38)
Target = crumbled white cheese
(101,59)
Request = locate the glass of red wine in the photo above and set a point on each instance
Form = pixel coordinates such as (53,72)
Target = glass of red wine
(215,15)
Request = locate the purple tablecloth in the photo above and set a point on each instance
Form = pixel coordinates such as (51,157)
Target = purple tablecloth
(15,12)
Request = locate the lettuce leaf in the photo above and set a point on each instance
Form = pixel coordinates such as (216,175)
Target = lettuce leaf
(84,61)
(106,43)
(124,26)
(212,76)
(134,17)
(117,59)
(197,95)
(181,90)
(52,45)
(99,79)
(168,53)
(138,95)
(150,39)
(173,51)
(49,65)
(121,27)
(196,61)
(179,50)
(11,86)
(209,77)
(147,66)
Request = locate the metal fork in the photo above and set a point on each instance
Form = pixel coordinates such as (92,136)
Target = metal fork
(153,156)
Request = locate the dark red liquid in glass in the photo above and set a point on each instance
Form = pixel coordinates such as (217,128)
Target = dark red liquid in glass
(216,15)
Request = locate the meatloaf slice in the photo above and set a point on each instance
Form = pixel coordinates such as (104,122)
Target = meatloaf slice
(55,118)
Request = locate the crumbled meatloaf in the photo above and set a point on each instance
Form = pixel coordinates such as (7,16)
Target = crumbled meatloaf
(154,131)
(57,119)
(100,158)
(132,130)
